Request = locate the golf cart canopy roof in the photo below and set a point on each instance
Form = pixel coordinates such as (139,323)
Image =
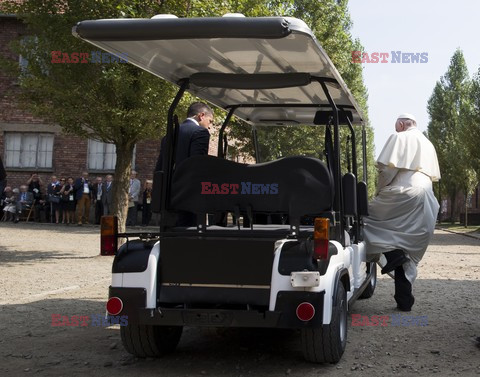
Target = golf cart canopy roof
(271,69)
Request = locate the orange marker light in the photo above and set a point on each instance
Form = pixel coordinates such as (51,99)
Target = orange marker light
(321,237)
(108,235)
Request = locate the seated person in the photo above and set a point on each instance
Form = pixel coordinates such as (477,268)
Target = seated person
(24,201)
(8,202)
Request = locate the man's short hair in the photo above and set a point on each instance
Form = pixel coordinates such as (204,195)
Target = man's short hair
(197,108)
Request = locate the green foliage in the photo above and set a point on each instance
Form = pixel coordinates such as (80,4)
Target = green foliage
(331,24)
(121,104)
(471,129)
(449,109)
(115,103)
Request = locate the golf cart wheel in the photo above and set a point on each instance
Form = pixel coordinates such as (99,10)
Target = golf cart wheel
(149,340)
(368,292)
(326,344)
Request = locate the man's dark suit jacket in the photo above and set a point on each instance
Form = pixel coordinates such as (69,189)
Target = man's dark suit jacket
(78,186)
(28,197)
(192,141)
(94,191)
(107,194)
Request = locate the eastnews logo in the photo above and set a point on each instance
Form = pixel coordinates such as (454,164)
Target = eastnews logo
(244,188)
(383,57)
(389,320)
(98,320)
(59,57)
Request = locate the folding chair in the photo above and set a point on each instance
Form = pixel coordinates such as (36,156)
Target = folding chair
(27,212)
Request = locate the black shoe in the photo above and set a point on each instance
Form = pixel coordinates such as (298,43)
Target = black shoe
(404,309)
(16,221)
(395,259)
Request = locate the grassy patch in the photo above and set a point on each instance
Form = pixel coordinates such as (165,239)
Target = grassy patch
(457,227)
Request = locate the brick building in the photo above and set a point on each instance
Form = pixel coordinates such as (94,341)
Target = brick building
(473,208)
(29,144)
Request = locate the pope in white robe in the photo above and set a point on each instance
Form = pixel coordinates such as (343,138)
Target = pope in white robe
(403,213)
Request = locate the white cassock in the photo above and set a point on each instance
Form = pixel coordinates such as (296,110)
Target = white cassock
(403,214)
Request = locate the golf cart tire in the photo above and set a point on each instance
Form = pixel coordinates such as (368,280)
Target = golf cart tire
(149,340)
(326,344)
(368,292)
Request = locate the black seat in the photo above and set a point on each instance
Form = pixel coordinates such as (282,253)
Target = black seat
(294,185)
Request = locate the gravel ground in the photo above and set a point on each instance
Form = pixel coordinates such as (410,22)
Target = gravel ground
(47,269)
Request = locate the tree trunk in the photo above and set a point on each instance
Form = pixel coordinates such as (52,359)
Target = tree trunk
(466,211)
(123,168)
(453,206)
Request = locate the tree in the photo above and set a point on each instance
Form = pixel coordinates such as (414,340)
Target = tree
(121,104)
(448,109)
(331,24)
(114,103)
(471,131)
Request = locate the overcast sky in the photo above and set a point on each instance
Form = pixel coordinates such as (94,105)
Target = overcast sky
(437,27)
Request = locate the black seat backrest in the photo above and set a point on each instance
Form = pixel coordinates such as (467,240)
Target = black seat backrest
(362,198)
(349,186)
(294,185)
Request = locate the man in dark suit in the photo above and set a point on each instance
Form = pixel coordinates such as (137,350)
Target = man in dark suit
(193,140)
(193,135)
(107,195)
(82,188)
(97,192)
(24,201)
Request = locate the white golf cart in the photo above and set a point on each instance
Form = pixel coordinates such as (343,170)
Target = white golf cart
(301,270)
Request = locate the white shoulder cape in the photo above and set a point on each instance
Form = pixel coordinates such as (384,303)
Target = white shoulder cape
(411,150)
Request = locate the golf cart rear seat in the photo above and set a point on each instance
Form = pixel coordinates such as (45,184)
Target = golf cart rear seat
(296,186)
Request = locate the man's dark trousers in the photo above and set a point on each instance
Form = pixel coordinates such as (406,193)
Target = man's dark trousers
(403,288)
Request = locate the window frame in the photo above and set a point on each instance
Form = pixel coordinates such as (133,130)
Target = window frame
(103,170)
(38,135)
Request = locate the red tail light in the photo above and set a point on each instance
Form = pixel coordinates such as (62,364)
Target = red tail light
(108,235)
(305,311)
(114,306)
(320,238)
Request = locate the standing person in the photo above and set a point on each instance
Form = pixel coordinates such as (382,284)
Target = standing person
(146,203)
(82,195)
(54,198)
(35,187)
(97,191)
(193,136)
(35,184)
(68,201)
(403,214)
(3,177)
(107,196)
(193,140)
(133,194)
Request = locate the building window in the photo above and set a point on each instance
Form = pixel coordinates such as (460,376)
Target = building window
(28,150)
(103,156)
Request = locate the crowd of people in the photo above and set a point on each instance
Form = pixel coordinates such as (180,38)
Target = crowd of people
(67,200)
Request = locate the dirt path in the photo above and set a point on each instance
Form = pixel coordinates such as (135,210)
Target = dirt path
(47,270)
